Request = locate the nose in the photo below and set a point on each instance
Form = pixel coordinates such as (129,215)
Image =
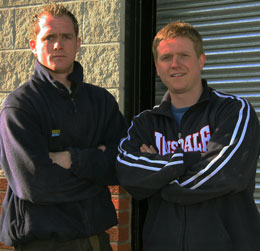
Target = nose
(57,45)
(175,61)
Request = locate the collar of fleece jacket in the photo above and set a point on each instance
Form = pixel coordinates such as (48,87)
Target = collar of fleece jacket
(76,77)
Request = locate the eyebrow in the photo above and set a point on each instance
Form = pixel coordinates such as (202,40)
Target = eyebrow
(63,34)
(178,52)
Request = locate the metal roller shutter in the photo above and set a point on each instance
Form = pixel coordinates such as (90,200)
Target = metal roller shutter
(231,35)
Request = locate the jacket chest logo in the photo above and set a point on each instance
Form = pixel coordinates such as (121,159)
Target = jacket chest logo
(197,141)
(55,132)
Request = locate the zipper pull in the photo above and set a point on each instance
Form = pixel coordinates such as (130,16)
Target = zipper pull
(179,138)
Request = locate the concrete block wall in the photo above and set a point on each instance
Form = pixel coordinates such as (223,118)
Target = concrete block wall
(102,56)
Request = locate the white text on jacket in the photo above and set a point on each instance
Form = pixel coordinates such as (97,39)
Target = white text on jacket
(194,142)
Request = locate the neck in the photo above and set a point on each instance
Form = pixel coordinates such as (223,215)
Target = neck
(181,100)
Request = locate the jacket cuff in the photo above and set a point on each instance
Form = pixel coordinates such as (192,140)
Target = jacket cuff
(191,158)
(74,154)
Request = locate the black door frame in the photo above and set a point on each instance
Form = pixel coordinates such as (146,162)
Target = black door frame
(140,24)
(139,65)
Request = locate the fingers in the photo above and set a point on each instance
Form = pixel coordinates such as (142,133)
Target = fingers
(102,147)
(61,158)
(153,149)
(51,155)
(147,149)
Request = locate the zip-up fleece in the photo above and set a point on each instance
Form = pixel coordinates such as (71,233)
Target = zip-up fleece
(200,185)
(44,200)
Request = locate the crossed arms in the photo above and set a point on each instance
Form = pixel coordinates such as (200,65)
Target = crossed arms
(63,159)
(228,166)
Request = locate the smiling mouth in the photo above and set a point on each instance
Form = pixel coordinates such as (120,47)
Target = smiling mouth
(177,75)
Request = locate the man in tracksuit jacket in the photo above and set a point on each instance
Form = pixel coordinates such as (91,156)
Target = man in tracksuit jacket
(58,146)
(193,157)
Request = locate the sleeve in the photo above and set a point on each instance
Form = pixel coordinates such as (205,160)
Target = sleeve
(229,164)
(25,160)
(143,174)
(94,164)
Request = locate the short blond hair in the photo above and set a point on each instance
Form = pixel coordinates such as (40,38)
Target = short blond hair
(54,10)
(178,29)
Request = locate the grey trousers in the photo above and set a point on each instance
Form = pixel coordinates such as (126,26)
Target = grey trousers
(94,243)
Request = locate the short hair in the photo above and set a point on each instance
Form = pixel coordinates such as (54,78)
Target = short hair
(178,29)
(54,10)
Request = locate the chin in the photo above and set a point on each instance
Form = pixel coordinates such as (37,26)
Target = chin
(61,69)
(178,90)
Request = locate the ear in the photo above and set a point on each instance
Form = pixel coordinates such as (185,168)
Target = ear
(202,60)
(33,46)
(78,43)
(156,67)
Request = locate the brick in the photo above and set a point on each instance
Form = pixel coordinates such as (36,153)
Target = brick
(123,218)
(121,202)
(77,10)
(2,175)
(16,68)
(121,246)
(4,247)
(2,195)
(101,21)
(101,64)
(22,24)
(3,184)
(114,189)
(117,190)
(119,233)
(6,29)
(2,99)
(115,93)
(10,3)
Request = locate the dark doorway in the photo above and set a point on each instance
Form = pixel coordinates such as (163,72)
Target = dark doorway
(139,82)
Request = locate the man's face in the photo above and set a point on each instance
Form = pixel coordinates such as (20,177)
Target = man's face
(56,44)
(178,66)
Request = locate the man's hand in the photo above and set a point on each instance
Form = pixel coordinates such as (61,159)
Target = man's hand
(147,149)
(61,158)
(102,147)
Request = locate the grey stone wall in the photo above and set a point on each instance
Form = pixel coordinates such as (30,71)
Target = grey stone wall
(102,51)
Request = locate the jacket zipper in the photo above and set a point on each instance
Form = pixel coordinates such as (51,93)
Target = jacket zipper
(184,247)
(75,110)
(74,105)
(183,242)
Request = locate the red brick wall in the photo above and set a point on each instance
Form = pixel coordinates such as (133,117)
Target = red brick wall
(3,185)
(119,235)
